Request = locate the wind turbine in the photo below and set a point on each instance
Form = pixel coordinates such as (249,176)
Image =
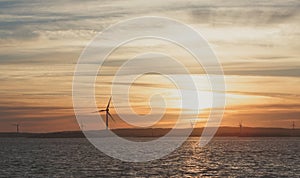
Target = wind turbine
(107,113)
(241,127)
(294,125)
(17,127)
(193,123)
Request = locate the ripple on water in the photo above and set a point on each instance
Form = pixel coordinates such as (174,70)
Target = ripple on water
(268,157)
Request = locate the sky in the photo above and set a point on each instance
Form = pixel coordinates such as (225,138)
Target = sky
(257,43)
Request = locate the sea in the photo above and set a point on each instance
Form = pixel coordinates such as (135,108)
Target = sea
(222,157)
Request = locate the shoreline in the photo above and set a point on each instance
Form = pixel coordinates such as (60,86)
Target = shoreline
(159,132)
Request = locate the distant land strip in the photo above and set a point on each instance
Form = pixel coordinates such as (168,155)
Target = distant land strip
(159,132)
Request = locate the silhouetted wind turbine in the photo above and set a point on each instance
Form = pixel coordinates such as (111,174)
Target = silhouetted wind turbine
(107,113)
(293,128)
(241,127)
(17,127)
(294,125)
(193,122)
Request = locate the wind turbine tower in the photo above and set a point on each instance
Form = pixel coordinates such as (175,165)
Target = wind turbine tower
(192,122)
(294,125)
(17,127)
(241,127)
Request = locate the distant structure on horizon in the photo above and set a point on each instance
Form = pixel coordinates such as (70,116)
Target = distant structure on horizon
(17,127)
(293,128)
(193,123)
(294,125)
(241,127)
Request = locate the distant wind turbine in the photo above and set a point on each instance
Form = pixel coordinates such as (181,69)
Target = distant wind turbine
(17,127)
(294,125)
(193,122)
(293,128)
(241,127)
(107,113)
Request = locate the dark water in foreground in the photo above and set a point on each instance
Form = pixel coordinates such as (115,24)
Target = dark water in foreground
(237,157)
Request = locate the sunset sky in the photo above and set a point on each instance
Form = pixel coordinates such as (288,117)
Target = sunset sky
(257,43)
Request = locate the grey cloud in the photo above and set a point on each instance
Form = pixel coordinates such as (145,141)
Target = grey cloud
(246,13)
(289,72)
(35,120)
(140,84)
(58,15)
(265,106)
(33,113)
(267,115)
(269,94)
(46,56)
(30,108)
(26,17)
(18,33)
(272,57)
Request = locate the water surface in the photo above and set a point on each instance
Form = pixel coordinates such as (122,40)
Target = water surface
(226,156)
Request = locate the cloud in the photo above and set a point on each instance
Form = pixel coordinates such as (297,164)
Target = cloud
(268,94)
(42,40)
(262,115)
(262,107)
(254,13)
(290,72)
(20,34)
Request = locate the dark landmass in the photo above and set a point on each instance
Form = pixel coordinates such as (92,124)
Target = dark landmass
(158,132)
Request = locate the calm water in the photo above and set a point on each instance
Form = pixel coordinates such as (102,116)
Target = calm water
(237,157)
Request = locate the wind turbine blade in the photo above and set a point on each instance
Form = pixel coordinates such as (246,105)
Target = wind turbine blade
(108,103)
(102,110)
(110,116)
